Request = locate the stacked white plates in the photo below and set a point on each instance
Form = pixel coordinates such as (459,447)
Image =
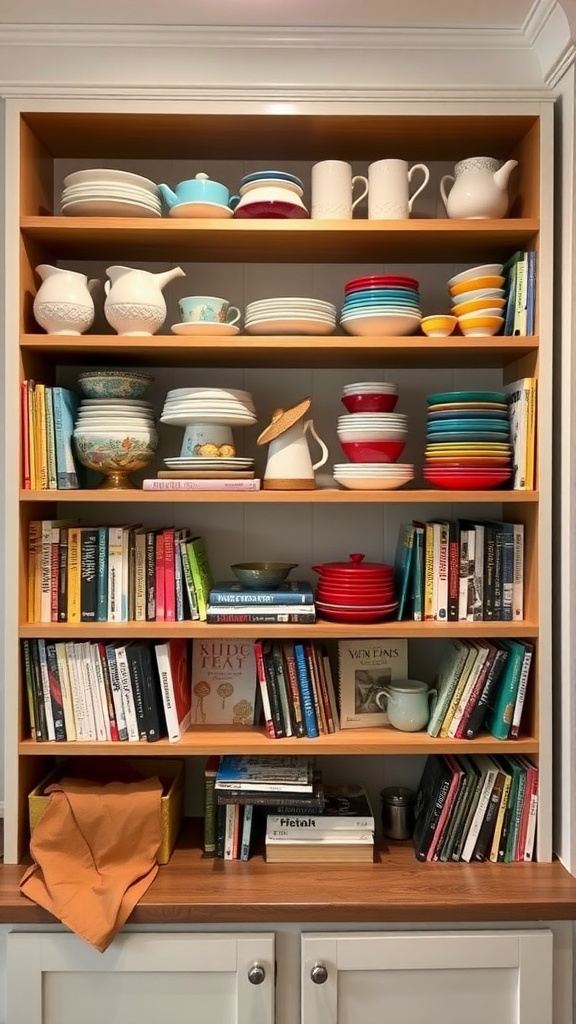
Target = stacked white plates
(372,476)
(101,415)
(230,407)
(290,315)
(372,426)
(105,192)
(203,462)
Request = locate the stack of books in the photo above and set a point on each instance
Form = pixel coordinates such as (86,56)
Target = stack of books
(238,787)
(343,832)
(481,684)
(520,289)
(48,415)
(476,808)
(463,570)
(107,691)
(291,601)
(115,573)
(296,688)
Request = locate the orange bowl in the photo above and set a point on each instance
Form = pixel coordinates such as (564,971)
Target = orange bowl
(475,283)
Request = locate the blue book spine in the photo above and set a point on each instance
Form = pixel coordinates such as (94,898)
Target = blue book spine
(531,293)
(507,571)
(229,592)
(306,696)
(65,407)
(501,713)
(102,575)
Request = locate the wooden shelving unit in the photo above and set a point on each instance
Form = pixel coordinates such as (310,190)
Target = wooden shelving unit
(192,888)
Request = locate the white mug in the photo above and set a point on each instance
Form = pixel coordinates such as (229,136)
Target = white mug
(332,189)
(389,196)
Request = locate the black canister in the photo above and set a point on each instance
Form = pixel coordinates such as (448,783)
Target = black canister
(398,812)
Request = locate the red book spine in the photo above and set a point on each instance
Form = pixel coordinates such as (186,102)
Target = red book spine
(262,683)
(530,789)
(25,436)
(159,570)
(169,577)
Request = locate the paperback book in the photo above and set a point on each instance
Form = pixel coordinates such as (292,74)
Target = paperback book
(288,773)
(364,668)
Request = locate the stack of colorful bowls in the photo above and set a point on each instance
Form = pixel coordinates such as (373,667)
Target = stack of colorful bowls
(383,305)
(478,300)
(372,437)
(468,440)
(271,194)
(355,591)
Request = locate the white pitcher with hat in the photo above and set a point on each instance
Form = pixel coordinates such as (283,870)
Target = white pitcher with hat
(289,466)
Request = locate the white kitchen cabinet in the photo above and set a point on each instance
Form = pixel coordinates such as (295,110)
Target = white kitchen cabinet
(141,979)
(440,978)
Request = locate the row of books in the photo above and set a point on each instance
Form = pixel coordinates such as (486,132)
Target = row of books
(292,601)
(463,570)
(520,291)
(107,691)
(481,684)
(115,573)
(296,688)
(48,415)
(476,808)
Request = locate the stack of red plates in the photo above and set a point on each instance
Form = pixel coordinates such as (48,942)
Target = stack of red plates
(355,591)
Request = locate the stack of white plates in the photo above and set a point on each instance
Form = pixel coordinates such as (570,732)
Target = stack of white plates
(100,415)
(104,192)
(292,315)
(373,476)
(229,406)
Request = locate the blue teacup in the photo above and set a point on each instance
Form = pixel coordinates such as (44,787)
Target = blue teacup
(207,309)
(200,189)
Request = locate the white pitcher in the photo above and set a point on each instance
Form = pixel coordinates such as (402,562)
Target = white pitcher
(479,188)
(333,188)
(63,303)
(289,463)
(389,189)
(134,300)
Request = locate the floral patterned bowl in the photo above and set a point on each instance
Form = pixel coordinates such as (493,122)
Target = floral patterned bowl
(114,383)
(116,454)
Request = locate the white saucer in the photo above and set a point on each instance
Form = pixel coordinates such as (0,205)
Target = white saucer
(230,419)
(206,330)
(200,210)
(107,208)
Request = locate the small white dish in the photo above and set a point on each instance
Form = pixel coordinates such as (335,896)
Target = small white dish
(291,326)
(205,330)
(376,483)
(197,209)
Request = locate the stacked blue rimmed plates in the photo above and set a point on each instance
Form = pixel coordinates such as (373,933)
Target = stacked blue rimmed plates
(468,444)
(272,193)
(383,305)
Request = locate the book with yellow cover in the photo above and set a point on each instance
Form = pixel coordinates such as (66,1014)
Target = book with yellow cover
(41,437)
(74,541)
(530,398)
(34,575)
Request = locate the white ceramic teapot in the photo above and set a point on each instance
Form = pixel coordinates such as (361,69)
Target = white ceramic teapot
(134,300)
(479,190)
(289,466)
(63,303)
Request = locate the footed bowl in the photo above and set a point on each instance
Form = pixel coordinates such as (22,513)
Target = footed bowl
(116,455)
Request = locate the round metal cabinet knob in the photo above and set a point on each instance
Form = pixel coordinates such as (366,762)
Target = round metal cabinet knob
(319,974)
(256,974)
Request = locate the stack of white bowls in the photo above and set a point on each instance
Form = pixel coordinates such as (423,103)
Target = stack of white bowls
(115,435)
(373,437)
(104,192)
(290,315)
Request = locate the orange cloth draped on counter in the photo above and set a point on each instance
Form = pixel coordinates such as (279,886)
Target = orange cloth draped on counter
(95,851)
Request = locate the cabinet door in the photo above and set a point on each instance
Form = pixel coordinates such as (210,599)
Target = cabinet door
(437,977)
(141,979)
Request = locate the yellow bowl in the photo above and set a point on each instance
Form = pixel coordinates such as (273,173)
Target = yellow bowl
(475,305)
(480,326)
(476,282)
(438,326)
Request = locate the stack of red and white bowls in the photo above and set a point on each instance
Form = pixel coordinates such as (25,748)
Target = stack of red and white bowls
(373,437)
(355,591)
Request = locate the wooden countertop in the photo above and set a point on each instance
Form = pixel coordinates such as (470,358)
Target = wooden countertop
(194,889)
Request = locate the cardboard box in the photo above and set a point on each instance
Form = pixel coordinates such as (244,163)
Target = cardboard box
(171,773)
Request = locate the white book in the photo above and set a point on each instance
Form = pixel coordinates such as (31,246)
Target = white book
(517,419)
(125,573)
(172,661)
(78,693)
(65,686)
(471,574)
(463,576)
(116,692)
(467,691)
(140,578)
(490,773)
(115,573)
(478,597)
(46,689)
(326,839)
(521,693)
(101,688)
(518,573)
(127,693)
(84,686)
(231,811)
(246,831)
(93,696)
(531,830)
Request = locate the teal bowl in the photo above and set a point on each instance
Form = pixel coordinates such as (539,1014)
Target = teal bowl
(262,575)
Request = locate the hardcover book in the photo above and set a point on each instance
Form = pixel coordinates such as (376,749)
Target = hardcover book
(347,808)
(364,667)
(287,773)
(403,566)
(291,592)
(201,573)
(175,686)
(223,682)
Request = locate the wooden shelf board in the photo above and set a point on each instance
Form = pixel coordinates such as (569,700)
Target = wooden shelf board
(255,241)
(249,740)
(319,630)
(280,350)
(320,496)
(195,889)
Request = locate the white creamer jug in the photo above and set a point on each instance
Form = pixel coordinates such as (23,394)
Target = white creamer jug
(63,303)
(479,190)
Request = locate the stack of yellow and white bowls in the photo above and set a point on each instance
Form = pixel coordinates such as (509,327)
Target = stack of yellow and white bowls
(478,300)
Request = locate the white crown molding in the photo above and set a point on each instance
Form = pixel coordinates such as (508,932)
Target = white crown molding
(549,34)
(244,37)
(263,93)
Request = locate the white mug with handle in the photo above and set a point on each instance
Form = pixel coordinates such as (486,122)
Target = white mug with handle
(333,188)
(389,189)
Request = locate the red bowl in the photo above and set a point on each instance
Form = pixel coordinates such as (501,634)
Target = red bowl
(343,601)
(369,402)
(373,451)
(476,481)
(379,280)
